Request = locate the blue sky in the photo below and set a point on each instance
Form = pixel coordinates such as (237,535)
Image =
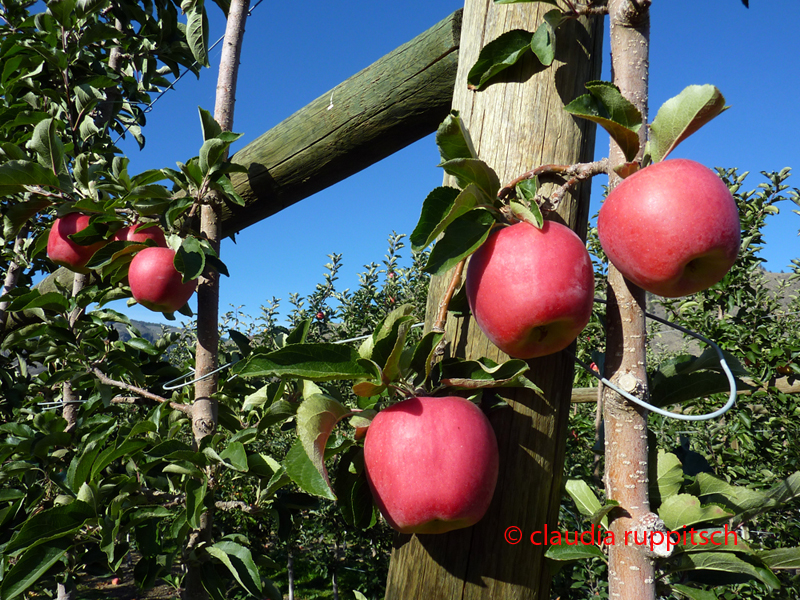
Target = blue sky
(290,57)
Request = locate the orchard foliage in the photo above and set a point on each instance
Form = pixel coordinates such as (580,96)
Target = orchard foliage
(120,478)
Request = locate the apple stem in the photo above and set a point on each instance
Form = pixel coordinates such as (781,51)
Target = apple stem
(455,281)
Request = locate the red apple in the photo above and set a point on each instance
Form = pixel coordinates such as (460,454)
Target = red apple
(155,282)
(431,464)
(63,251)
(671,228)
(531,290)
(150,232)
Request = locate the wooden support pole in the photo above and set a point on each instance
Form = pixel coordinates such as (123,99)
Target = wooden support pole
(516,124)
(396,101)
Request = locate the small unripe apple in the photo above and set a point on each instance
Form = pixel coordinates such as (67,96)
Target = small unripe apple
(150,232)
(671,228)
(156,283)
(531,290)
(63,251)
(431,464)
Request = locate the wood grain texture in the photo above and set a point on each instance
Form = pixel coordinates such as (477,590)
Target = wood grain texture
(515,124)
(396,101)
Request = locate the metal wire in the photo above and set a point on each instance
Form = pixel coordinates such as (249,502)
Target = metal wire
(665,413)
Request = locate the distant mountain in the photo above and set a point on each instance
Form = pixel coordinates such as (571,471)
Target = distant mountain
(671,340)
(149,331)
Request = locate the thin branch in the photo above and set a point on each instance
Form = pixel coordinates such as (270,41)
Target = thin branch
(579,171)
(184,408)
(441,316)
(15,269)
(232,505)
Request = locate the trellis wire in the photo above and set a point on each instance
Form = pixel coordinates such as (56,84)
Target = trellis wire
(171,86)
(665,413)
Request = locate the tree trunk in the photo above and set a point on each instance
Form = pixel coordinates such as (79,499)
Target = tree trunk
(631,574)
(515,125)
(204,409)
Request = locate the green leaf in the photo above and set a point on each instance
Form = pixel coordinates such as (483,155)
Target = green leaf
(34,563)
(235,455)
(212,153)
(240,563)
(19,213)
(543,42)
(583,496)
(211,128)
(35,299)
(724,561)
(668,478)
(786,490)
(781,558)
(303,472)
(142,345)
(224,185)
(422,359)
(195,496)
(563,552)
(190,259)
(601,516)
(50,524)
(317,415)
(474,374)
(694,593)
(318,362)
(497,56)
(682,510)
(474,171)
(388,341)
(453,140)
(681,116)
(530,215)
(440,208)
(197,30)
(720,539)
(299,334)
(737,497)
(606,106)
(461,238)
(15,175)
(48,147)
(80,468)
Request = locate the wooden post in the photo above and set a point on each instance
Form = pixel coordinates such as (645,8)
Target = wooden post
(516,124)
(395,101)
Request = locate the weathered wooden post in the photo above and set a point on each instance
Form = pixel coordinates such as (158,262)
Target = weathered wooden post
(516,124)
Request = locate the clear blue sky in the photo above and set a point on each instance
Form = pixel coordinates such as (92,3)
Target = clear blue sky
(294,53)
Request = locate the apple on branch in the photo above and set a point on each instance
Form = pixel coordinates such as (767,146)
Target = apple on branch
(141,232)
(156,283)
(431,464)
(64,251)
(671,228)
(531,290)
